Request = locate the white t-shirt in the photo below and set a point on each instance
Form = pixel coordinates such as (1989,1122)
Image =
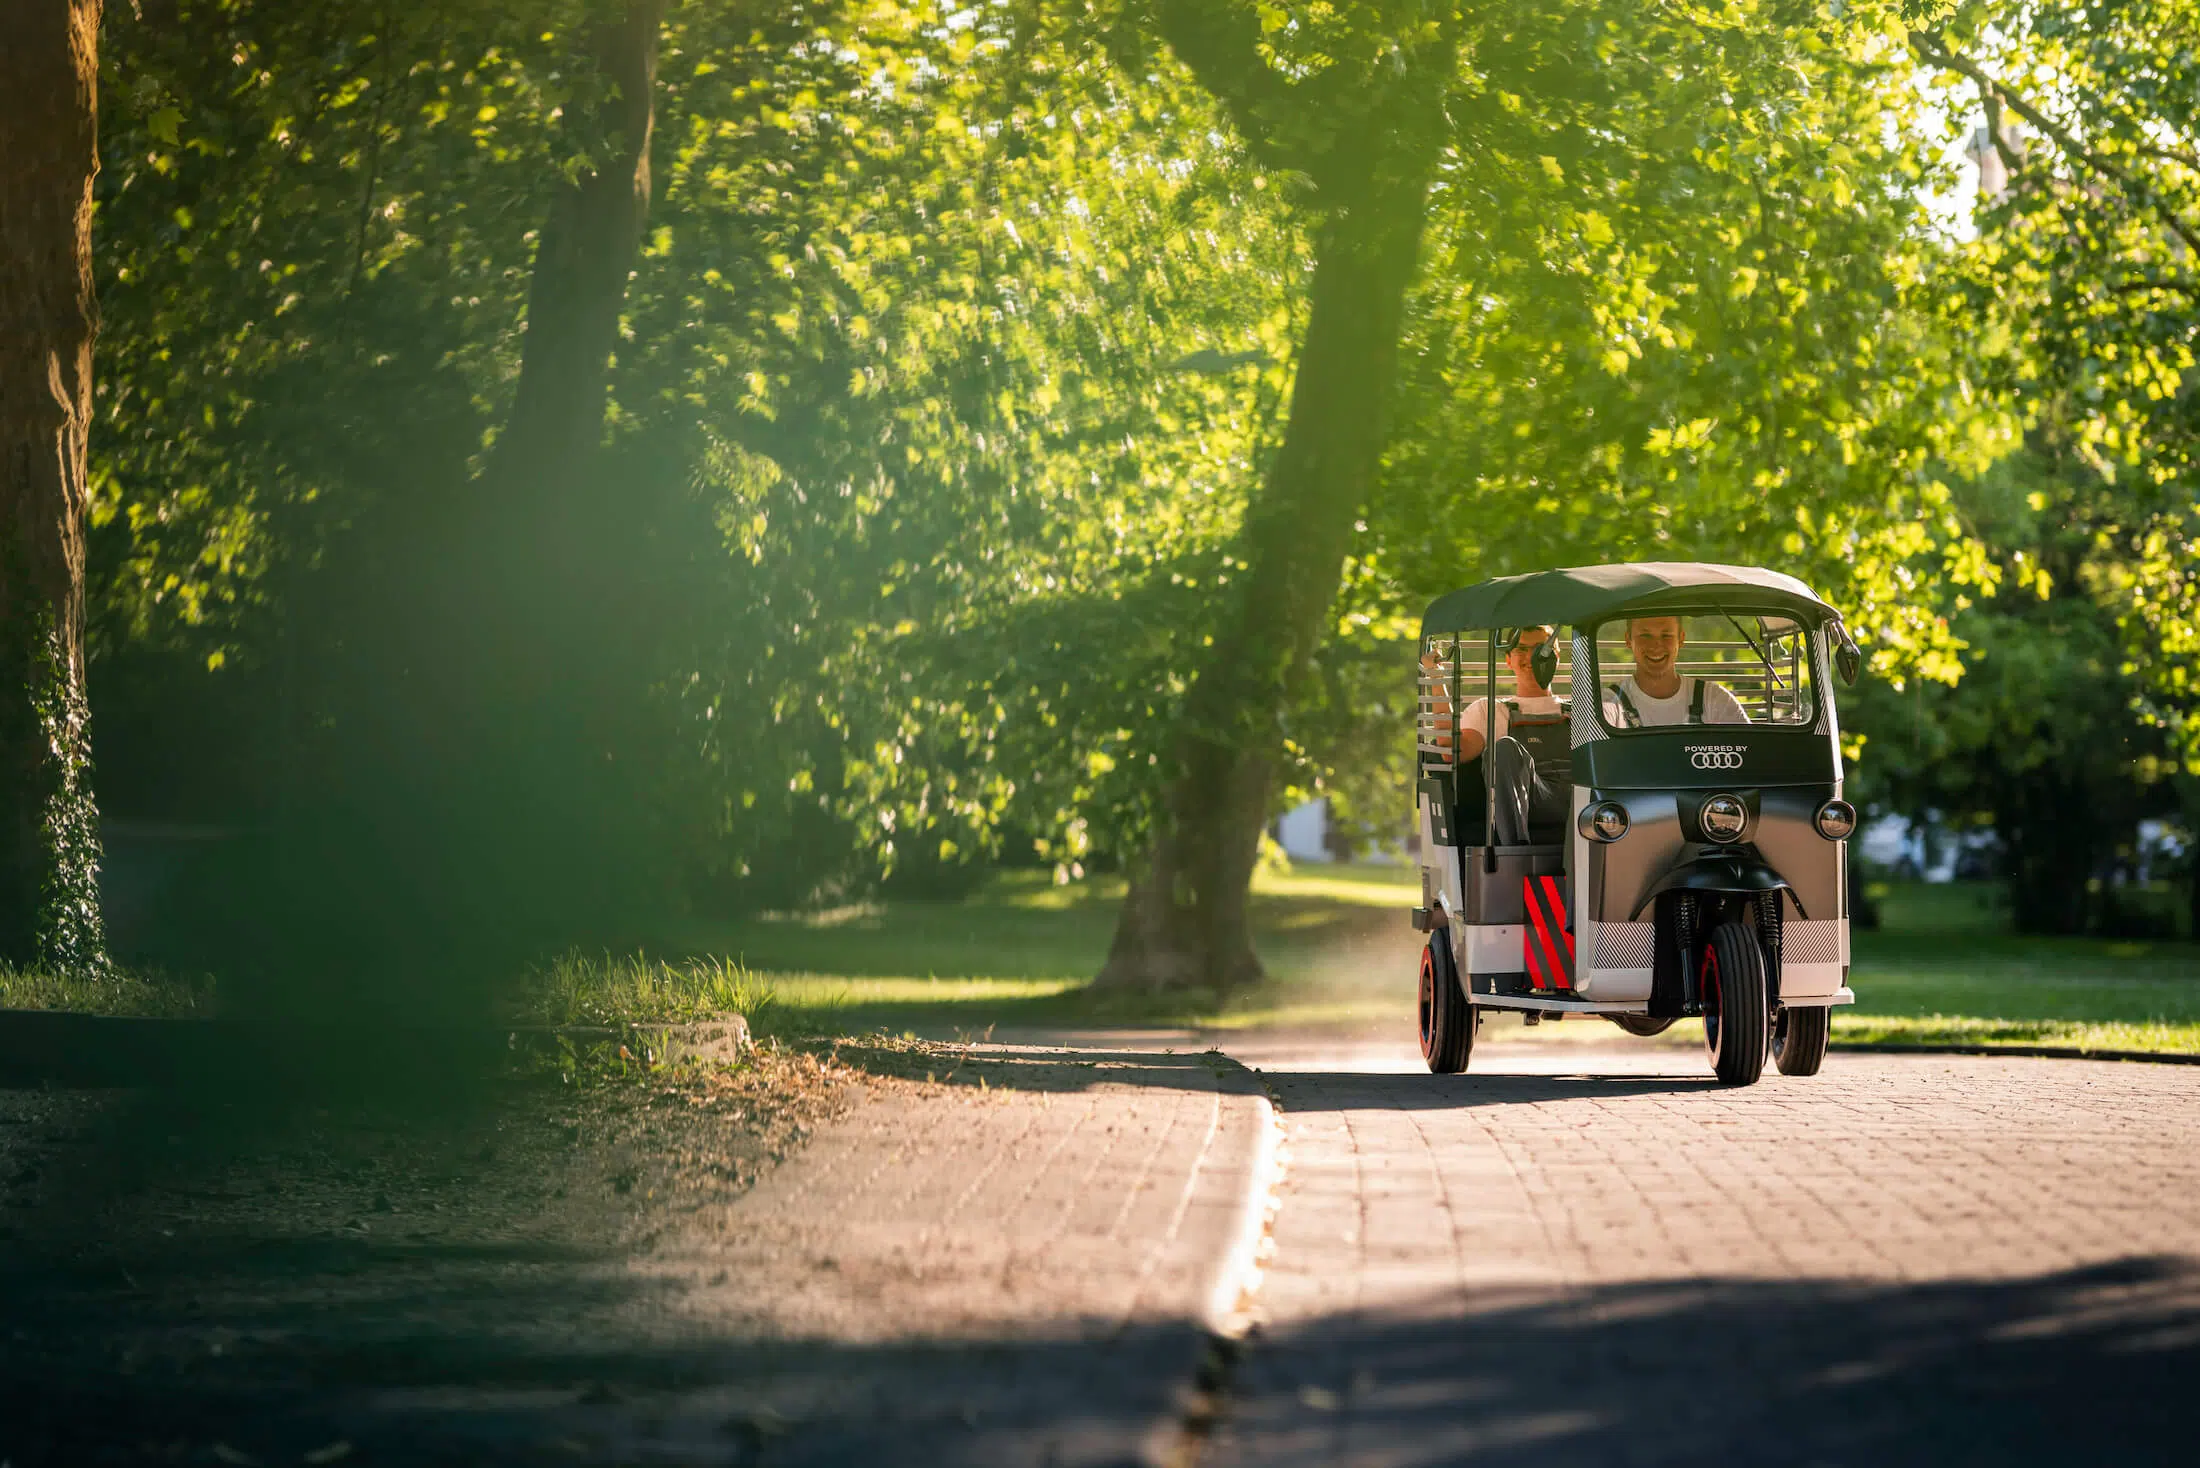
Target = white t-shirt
(1719,706)
(1471,718)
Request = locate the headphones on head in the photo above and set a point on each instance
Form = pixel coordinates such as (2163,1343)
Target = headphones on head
(1543,657)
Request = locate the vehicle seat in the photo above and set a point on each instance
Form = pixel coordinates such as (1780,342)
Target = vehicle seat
(1549,740)
(1458,801)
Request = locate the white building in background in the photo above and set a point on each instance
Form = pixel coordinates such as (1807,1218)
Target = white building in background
(1303,833)
(1885,842)
(1926,851)
(1306,833)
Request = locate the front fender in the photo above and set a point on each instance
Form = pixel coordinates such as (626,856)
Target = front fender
(1720,871)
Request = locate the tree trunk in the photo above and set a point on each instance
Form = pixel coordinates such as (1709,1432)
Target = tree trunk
(49,833)
(1185,920)
(471,822)
(540,507)
(2053,840)
(585,254)
(2192,901)
(542,797)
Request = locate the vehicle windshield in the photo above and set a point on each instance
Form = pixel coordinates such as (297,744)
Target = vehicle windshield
(1714,667)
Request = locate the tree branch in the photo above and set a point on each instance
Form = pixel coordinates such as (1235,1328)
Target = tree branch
(1990,98)
(1935,51)
(2144,284)
(1219,43)
(2185,156)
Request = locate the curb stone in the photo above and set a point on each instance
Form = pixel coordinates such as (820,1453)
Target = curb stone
(2039,1052)
(1251,1170)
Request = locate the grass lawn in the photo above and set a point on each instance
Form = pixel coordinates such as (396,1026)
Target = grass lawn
(1944,968)
(1019,953)
(157,995)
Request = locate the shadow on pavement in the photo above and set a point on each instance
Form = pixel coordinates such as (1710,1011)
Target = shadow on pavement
(1410,1091)
(431,1399)
(2091,1365)
(498,1364)
(189,1276)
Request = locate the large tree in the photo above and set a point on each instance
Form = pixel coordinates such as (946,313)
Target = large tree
(1359,112)
(1669,310)
(542,566)
(49,839)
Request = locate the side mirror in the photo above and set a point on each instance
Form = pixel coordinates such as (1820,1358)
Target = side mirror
(1848,660)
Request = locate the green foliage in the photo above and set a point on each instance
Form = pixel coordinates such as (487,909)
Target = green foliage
(2076,712)
(1693,311)
(2039,735)
(959,343)
(69,937)
(1683,304)
(2085,265)
(49,868)
(312,256)
(916,340)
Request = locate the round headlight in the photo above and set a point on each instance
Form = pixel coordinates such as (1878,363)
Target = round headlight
(1604,821)
(1836,819)
(1724,816)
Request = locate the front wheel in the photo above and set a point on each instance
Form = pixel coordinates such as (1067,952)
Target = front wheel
(1447,1020)
(1735,1019)
(1642,1025)
(1799,1040)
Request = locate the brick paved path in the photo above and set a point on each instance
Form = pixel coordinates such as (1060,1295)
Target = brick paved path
(1014,1269)
(1595,1256)
(1017,1275)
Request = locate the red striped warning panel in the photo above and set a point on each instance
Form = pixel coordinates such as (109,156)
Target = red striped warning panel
(1548,946)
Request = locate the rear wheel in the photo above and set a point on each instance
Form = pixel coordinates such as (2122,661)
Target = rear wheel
(1735,1021)
(1447,1020)
(1799,1040)
(1640,1024)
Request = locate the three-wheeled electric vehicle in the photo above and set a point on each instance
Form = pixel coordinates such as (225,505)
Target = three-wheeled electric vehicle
(1630,807)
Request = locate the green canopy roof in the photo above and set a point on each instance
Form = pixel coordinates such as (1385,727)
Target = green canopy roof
(1581,594)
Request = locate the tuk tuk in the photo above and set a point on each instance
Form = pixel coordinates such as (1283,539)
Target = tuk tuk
(1629,793)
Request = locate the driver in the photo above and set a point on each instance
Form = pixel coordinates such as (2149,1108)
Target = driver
(1656,693)
(1521,797)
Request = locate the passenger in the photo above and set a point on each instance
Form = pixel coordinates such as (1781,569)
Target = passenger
(1655,693)
(1521,799)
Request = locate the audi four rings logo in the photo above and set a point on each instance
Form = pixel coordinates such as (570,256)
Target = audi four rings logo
(1715,756)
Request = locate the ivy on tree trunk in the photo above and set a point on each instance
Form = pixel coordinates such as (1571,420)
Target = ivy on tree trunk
(49,833)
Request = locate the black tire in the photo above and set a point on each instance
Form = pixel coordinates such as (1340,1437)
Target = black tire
(1799,1040)
(1736,1023)
(1643,1025)
(1447,1020)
